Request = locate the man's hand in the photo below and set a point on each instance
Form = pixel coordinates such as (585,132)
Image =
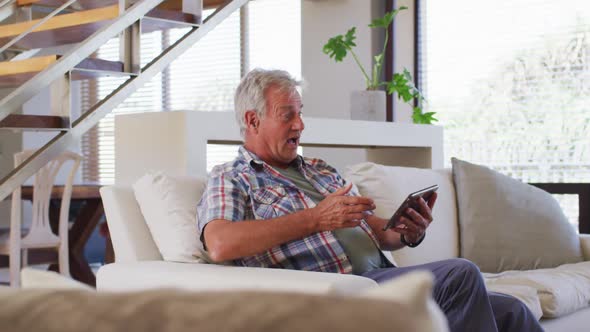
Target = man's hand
(413,223)
(340,211)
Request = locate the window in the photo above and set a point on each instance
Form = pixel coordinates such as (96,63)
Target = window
(204,78)
(510,80)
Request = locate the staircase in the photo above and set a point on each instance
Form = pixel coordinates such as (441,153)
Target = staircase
(31,27)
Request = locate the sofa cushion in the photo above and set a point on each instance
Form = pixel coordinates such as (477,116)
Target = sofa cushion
(509,225)
(35,278)
(388,186)
(178,311)
(526,294)
(561,290)
(169,206)
(414,289)
(213,277)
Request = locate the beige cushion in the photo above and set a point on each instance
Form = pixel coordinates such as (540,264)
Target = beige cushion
(389,186)
(172,310)
(528,295)
(510,225)
(414,289)
(561,290)
(35,278)
(212,277)
(169,207)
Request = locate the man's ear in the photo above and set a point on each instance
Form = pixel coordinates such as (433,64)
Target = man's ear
(252,120)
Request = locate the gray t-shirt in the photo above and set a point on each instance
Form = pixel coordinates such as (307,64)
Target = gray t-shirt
(358,246)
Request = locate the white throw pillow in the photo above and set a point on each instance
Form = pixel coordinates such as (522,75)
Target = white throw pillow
(389,186)
(169,207)
(561,290)
(526,294)
(510,225)
(413,289)
(35,278)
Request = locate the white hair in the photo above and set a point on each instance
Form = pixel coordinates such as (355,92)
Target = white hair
(250,92)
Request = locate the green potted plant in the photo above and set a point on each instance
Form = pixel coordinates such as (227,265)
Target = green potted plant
(370,104)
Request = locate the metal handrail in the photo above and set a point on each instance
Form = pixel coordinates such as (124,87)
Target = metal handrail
(98,111)
(36,25)
(13,101)
(6,2)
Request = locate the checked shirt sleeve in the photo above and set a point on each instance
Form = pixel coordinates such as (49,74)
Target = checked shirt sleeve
(223,198)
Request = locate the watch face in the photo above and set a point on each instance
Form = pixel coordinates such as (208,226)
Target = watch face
(412,245)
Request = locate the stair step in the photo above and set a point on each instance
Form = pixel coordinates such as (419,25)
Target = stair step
(90,4)
(74,27)
(61,29)
(62,21)
(36,122)
(26,66)
(15,73)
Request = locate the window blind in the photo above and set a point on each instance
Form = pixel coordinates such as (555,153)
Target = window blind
(510,81)
(98,143)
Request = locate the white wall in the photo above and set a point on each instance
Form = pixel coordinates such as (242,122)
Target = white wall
(329,83)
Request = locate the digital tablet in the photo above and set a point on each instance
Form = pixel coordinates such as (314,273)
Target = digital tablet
(410,202)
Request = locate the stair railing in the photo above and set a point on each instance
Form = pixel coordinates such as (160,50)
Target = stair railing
(36,25)
(89,119)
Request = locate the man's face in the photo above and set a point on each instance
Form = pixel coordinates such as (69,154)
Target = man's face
(279,131)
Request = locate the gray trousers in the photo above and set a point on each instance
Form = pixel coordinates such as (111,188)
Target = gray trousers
(460,292)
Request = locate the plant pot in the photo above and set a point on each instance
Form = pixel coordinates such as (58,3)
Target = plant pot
(368,105)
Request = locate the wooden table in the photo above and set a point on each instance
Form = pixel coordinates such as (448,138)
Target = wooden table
(85,222)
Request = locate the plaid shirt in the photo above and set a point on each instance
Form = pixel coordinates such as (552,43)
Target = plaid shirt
(247,189)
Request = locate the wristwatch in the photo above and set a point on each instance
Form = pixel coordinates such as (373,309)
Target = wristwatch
(410,244)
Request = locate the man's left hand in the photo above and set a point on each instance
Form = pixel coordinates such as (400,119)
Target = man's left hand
(413,223)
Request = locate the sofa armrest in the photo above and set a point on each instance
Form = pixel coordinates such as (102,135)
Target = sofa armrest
(162,274)
(130,236)
(585,244)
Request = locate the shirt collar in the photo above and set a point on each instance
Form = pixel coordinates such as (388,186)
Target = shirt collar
(253,160)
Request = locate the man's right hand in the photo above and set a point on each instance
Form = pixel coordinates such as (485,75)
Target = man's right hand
(339,211)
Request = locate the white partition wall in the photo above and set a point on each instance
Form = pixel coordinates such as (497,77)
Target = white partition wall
(176,142)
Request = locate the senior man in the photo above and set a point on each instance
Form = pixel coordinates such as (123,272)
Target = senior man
(270,207)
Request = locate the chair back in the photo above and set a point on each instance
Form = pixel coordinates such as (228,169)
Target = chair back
(40,231)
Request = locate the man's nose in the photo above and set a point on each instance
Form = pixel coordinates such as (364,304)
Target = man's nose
(298,124)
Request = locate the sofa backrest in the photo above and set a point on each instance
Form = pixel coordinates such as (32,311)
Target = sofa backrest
(388,186)
(131,238)
(443,233)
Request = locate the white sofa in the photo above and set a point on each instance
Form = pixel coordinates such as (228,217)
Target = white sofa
(181,147)
(139,264)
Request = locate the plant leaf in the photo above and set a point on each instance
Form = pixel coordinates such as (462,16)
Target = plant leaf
(337,47)
(350,37)
(378,58)
(386,20)
(423,118)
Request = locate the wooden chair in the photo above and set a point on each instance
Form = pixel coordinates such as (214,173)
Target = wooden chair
(14,244)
